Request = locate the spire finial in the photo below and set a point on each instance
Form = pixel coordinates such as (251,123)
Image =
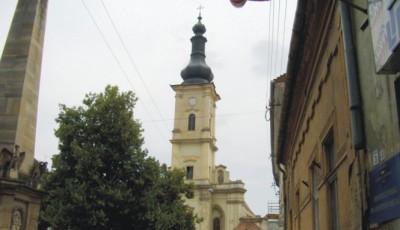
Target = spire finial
(200,8)
(197,71)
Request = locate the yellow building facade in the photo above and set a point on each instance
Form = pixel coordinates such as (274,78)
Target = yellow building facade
(324,173)
(217,200)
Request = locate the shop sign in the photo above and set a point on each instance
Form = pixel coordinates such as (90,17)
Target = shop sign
(384,200)
(384,19)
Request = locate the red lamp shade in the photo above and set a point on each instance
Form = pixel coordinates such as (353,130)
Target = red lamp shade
(238,3)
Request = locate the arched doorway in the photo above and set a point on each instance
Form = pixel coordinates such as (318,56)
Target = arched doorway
(216,223)
(218,220)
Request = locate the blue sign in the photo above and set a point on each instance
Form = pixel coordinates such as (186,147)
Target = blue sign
(385,191)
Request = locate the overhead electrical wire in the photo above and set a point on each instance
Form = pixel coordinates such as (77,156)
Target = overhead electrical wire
(219,116)
(272,39)
(268,52)
(284,33)
(116,58)
(276,65)
(269,60)
(131,60)
(277,41)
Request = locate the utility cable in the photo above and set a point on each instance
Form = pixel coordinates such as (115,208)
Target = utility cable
(131,60)
(219,116)
(268,52)
(270,55)
(284,33)
(116,58)
(269,40)
(277,40)
(272,40)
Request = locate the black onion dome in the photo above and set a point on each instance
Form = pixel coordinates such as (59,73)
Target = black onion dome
(199,28)
(197,71)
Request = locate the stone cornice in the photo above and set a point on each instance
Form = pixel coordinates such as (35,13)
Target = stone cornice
(198,87)
(230,190)
(303,49)
(193,140)
(252,219)
(203,186)
(13,187)
(235,202)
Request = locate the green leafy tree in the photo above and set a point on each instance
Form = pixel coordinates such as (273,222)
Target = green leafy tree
(103,178)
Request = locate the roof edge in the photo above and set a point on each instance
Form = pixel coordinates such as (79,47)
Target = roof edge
(293,61)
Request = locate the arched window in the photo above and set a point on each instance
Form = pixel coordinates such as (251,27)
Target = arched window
(217,218)
(192,122)
(216,224)
(189,172)
(220,177)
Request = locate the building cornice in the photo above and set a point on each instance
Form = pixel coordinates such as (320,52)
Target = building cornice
(303,55)
(193,140)
(198,87)
(12,187)
(230,190)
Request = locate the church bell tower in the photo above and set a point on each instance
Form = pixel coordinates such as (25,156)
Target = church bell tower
(193,137)
(193,141)
(217,200)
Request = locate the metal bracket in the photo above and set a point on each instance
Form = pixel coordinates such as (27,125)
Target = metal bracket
(359,8)
(267,112)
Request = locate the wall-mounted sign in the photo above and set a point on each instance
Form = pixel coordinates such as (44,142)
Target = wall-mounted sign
(384,18)
(384,201)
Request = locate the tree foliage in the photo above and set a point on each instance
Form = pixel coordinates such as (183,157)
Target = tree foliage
(102,177)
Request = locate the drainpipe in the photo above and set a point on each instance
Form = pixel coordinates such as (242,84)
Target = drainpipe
(282,184)
(353,86)
(352,79)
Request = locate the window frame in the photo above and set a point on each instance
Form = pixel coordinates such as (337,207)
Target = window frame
(216,223)
(397,95)
(315,179)
(220,177)
(329,152)
(192,122)
(189,172)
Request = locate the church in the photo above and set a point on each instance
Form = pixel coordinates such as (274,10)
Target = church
(218,200)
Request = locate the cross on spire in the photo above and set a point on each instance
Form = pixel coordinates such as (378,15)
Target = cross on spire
(200,8)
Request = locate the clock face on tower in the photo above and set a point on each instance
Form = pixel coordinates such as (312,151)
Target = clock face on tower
(192,101)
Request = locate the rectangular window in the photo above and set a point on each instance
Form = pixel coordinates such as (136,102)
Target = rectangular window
(192,122)
(189,172)
(329,149)
(397,91)
(298,208)
(333,205)
(330,154)
(315,195)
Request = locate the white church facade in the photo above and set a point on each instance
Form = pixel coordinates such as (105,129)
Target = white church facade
(218,200)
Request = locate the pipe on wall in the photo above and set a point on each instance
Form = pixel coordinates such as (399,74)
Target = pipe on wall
(283,171)
(357,126)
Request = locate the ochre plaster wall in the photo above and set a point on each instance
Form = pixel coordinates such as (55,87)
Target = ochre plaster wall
(323,108)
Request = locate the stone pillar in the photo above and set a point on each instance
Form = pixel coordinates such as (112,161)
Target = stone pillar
(205,204)
(20,67)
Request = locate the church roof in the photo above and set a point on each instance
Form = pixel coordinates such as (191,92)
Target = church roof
(197,71)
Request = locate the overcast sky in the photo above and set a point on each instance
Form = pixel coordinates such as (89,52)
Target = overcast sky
(243,50)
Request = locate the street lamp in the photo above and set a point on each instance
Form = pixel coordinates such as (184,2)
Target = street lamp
(240,3)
